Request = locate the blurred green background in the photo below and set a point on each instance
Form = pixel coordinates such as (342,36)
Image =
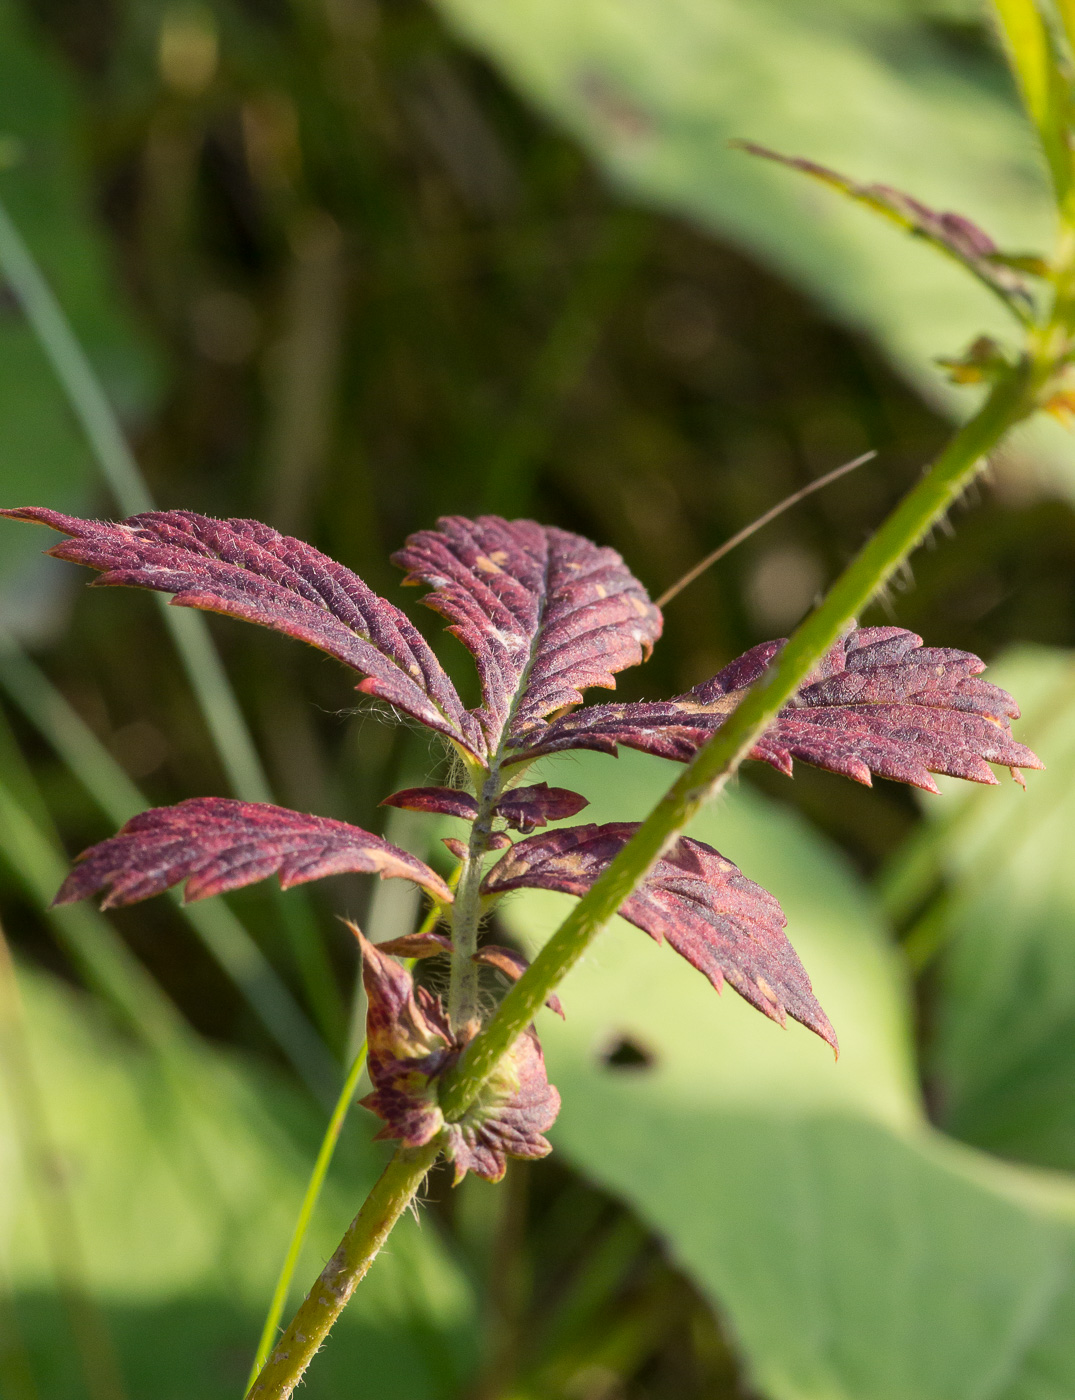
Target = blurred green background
(345,265)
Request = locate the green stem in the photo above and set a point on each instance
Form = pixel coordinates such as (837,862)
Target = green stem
(306,1211)
(709,770)
(466,910)
(390,1197)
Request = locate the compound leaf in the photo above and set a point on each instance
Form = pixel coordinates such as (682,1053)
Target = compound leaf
(248,570)
(544,613)
(880,703)
(217,844)
(725,925)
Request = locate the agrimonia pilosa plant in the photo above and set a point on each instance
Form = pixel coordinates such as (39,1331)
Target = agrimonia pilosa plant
(547,615)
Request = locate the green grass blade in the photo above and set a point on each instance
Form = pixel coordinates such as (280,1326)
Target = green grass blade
(306,1213)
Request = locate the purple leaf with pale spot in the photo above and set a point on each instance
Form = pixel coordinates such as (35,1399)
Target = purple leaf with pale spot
(247,570)
(880,704)
(217,844)
(725,925)
(544,613)
(522,809)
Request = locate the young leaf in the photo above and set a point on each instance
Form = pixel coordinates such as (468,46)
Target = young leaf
(247,570)
(881,703)
(711,914)
(217,844)
(513,965)
(522,809)
(952,234)
(526,808)
(411,1044)
(544,613)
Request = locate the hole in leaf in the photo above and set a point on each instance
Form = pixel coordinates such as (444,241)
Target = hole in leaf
(626,1052)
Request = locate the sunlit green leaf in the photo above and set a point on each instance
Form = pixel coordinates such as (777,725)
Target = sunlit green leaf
(1003,1058)
(856,1254)
(657,88)
(185,1184)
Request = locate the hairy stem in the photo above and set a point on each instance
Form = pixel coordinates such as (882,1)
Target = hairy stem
(390,1197)
(466,911)
(709,770)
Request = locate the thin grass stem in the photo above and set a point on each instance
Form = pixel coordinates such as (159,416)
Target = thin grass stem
(756,525)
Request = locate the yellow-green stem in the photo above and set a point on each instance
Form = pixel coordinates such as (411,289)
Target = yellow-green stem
(390,1197)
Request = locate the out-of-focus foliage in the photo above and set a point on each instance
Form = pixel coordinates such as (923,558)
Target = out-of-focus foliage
(44,186)
(376,286)
(893,92)
(184,1175)
(855,1252)
(1002,1004)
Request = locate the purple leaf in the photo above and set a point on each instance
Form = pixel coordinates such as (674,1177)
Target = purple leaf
(513,965)
(711,914)
(411,1044)
(881,703)
(522,809)
(515,1108)
(952,234)
(544,613)
(247,570)
(217,844)
(528,807)
(449,802)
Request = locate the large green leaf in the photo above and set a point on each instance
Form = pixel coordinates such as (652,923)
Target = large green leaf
(856,1254)
(43,184)
(1003,1058)
(656,88)
(186,1180)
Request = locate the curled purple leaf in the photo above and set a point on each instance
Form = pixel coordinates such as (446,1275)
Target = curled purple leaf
(409,1042)
(247,570)
(516,1106)
(880,704)
(513,965)
(710,913)
(544,613)
(217,844)
(411,1045)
